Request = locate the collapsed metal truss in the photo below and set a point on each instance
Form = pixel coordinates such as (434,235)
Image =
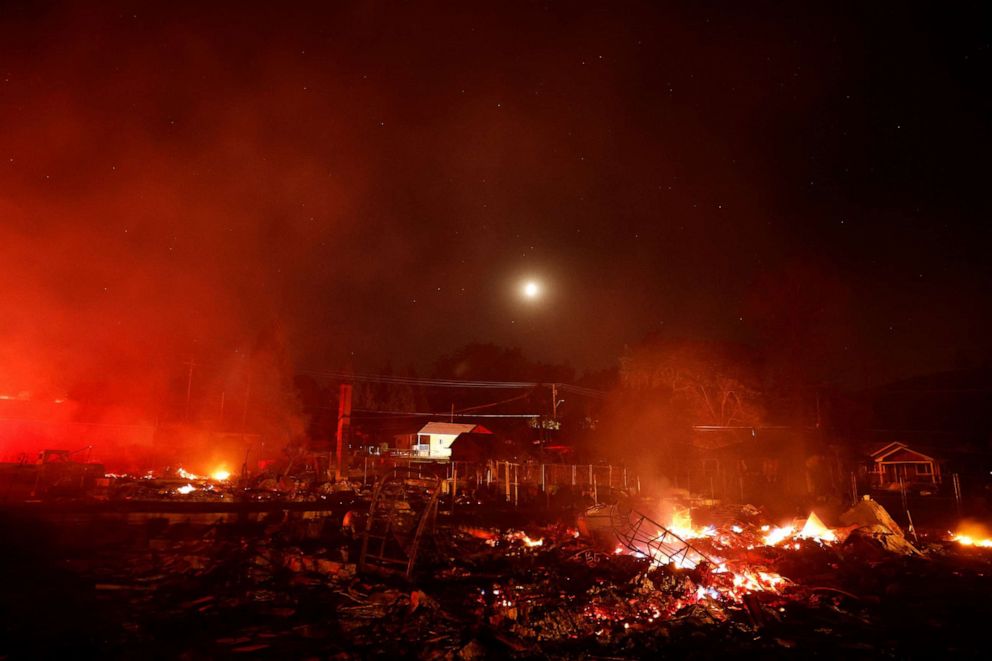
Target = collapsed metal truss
(403,506)
(644,536)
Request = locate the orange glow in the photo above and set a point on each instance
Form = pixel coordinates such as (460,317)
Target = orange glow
(220,475)
(775,535)
(681,525)
(189,488)
(185,474)
(967,540)
(813,529)
(973,534)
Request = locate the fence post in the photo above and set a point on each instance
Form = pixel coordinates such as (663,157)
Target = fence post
(957,492)
(516,486)
(454,485)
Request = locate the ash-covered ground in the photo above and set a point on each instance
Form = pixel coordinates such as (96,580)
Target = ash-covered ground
(287,585)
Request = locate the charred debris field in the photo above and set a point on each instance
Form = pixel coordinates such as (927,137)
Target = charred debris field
(397,572)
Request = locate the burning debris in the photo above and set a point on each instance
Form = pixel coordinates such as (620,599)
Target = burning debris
(288,579)
(287,563)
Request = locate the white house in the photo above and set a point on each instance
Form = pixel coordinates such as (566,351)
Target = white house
(435,439)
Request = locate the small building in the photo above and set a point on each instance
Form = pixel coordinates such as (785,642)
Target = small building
(435,438)
(896,462)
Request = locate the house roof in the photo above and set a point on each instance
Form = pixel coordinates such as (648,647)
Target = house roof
(885,449)
(899,452)
(453,428)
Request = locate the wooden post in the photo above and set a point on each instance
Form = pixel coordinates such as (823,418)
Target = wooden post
(344,427)
(454,485)
(516,486)
(957,492)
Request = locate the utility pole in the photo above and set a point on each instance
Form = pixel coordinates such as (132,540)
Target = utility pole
(189,387)
(244,408)
(344,425)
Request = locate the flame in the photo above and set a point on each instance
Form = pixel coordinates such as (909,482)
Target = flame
(527,540)
(681,525)
(775,535)
(813,529)
(972,534)
(186,475)
(967,540)
(220,475)
(189,488)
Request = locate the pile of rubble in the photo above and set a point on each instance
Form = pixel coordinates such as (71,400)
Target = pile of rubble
(290,586)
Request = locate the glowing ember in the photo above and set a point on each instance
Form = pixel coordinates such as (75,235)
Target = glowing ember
(531,542)
(525,539)
(189,488)
(775,535)
(186,475)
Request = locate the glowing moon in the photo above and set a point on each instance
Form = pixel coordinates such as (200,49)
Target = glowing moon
(531,289)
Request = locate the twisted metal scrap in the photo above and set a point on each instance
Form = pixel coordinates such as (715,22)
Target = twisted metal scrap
(641,534)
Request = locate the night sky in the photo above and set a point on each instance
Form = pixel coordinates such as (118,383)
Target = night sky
(372,182)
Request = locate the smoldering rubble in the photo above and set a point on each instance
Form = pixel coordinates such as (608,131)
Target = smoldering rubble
(292,581)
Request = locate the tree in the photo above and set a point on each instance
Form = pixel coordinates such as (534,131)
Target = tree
(712,383)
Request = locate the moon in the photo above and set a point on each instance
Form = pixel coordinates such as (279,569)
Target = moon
(531,289)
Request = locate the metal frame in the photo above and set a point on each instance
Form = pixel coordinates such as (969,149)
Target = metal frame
(643,535)
(398,530)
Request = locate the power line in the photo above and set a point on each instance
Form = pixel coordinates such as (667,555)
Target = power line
(451,383)
(404,380)
(443,414)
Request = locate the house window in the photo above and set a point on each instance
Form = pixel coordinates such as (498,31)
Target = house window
(923,469)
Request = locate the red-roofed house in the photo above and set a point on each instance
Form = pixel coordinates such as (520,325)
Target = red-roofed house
(435,438)
(894,461)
